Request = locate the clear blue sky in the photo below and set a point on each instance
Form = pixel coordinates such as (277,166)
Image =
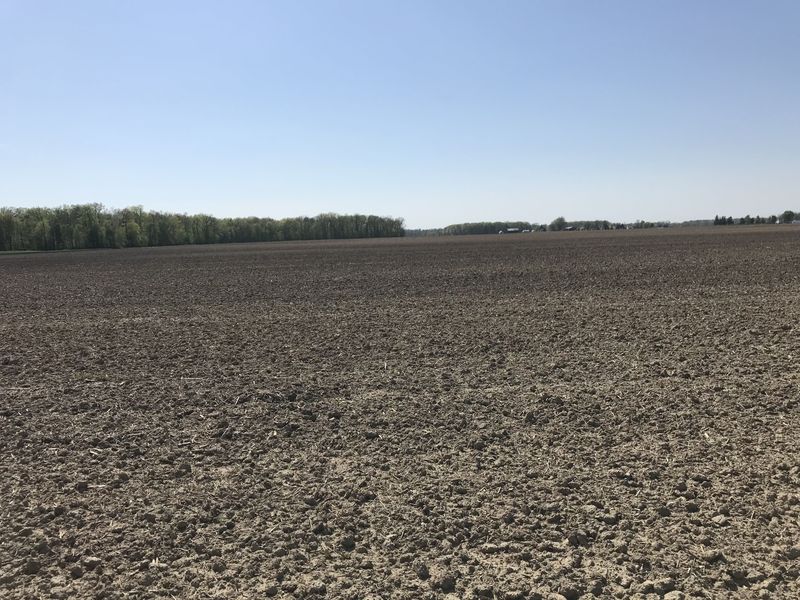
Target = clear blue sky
(437,111)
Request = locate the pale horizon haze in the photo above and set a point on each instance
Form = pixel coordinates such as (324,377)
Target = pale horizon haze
(436,111)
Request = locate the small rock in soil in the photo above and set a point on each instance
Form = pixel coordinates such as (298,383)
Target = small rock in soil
(91,562)
(720,520)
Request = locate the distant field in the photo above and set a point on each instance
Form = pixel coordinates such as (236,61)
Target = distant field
(598,414)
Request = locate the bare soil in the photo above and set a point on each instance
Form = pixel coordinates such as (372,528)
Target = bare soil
(571,415)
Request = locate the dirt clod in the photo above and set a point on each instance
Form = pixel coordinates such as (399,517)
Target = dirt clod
(713,556)
(31,567)
(442,579)
(570,591)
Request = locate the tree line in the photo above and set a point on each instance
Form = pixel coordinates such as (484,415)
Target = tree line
(786,216)
(478,228)
(94,226)
(484,227)
(559,224)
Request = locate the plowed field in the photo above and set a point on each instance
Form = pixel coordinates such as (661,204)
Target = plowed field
(572,415)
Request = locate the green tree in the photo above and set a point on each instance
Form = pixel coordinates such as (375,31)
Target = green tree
(133,234)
